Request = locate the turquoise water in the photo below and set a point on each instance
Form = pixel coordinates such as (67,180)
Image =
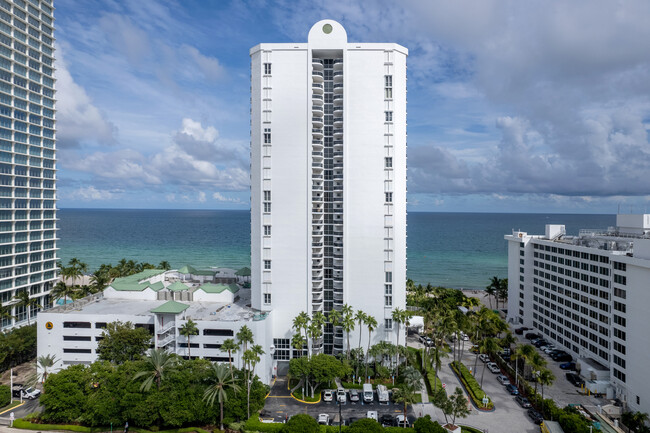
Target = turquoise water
(447,249)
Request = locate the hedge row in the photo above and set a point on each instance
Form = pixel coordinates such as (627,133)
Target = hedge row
(26,425)
(255,425)
(471,385)
(5,395)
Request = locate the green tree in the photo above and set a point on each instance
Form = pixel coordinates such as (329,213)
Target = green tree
(458,405)
(493,290)
(188,329)
(220,382)
(545,378)
(301,323)
(5,313)
(251,358)
(488,345)
(399,316)
(301,423)
(525,353)
(537,363)
(24,301)
(229,346)
(425,425)
(360,317)
(123,342)
(166,266)
(348,325)
(244,337)
(365,425)
(371,324)
(159,362)
(316,328)
(61,290)
(44,363)
(99,281)
(405,394)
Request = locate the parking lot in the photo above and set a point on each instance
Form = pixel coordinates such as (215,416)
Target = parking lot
(282,407)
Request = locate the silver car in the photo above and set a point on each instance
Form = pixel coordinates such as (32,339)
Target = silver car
(503,379)
(340,396)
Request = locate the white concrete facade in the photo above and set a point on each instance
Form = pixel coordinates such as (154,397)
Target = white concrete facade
(328,181)
(71,332)
(27,157)
(588,294)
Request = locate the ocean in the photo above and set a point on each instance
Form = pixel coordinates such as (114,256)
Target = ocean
(459,250)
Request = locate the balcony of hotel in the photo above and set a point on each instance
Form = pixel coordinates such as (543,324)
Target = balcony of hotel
(338,111)
(316,296)
(338,122)
(317,145)
(338,89)
(317,187)
(338,64)
(317,76)
(317,122)
(317,64)
(338,76)
(317,155)
(317,88)
(317,110)
(317,99)
(317,166)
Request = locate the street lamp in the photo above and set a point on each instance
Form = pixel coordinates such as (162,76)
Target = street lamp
(340,416)
(271,352)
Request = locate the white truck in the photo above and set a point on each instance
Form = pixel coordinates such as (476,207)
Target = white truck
(368,395)
(382,394)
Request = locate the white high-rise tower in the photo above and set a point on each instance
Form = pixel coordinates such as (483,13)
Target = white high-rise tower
(328,182)
(27,156)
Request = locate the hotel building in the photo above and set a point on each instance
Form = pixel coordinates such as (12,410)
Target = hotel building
(589,295)
(27,156)
(328,182)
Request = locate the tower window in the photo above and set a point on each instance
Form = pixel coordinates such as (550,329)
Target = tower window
(389,162)
(267,299)
(267,230)
(267,135)
(267,265)
(389,197)
(388,323)
(389,277)
(267,69)
(389,116)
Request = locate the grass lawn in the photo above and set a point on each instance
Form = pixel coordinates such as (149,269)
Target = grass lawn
(298,394)
(465,429)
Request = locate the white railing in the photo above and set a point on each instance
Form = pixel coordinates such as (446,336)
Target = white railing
(165,341)
(167,327)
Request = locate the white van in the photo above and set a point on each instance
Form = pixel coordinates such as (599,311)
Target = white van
(368,395)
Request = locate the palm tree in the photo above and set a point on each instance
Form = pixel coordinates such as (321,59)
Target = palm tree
(217,390)
(187,330)
(26,302)
(99,281)
(524,352)
(300,323)
(348,324)
(159,361)
(251,358)
(166,266)
(44,363)
(371,323)
(298,342)
(61,290)
(436,360)
(405,393)
(316,327)
(493,290)
(489,345)
(5,313)
(545,378)
(503,290)
(360,317)
(537,362)
(399,316)
(244,336)
(229,346)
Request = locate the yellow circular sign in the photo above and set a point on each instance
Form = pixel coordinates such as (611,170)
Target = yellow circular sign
(49,325)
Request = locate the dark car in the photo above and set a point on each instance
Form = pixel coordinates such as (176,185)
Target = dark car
(535,416)
(575,379)
(568,366)
(520,331)
(565,357)
(540,343)
(512,389)
(522,401)
(387,420)
(532,336)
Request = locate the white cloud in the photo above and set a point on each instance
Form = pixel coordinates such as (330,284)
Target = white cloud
(221,198)
(77,118)
(201,198)
(90,193)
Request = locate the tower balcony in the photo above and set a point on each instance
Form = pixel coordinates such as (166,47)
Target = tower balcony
(338,111)
(337,165)
(338,132)
(317,76)
(338,64)
(317,133)
(317,109)
(317,122)
(338,285)
(317,88)
(317,166)
(338,122)
(317,99)
(317,145)
(317,154)
(317,188)
(338,89)
(317,176)
(337,154)
(338,102)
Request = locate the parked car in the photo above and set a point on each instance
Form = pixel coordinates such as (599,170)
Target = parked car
(340,396)
(540,343)
(535,416)
(520,331)
(493,367)
(548,348)
(503,379)
(522,401)
(484,357)
(565,357)
(400,421)
(568,366)
(531,336)
(575,379)
(512,389)
(354,395)
(372,414)
(464,336)
(387,420)
(328,395)
(323,419)
(28,393)
(558,353)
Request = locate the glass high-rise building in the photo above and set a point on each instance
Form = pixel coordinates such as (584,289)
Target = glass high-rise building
(27,156)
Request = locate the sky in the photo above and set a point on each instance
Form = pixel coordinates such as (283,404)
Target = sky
(513,106)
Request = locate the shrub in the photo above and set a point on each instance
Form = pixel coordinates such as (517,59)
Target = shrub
(253,424)
(425,425)
(301,423)
(365,425)
(5,395)
(471,385)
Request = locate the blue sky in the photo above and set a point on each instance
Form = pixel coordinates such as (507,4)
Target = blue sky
(537,106)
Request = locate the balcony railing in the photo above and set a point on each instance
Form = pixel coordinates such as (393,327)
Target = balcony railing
(166,341)
(167,327)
